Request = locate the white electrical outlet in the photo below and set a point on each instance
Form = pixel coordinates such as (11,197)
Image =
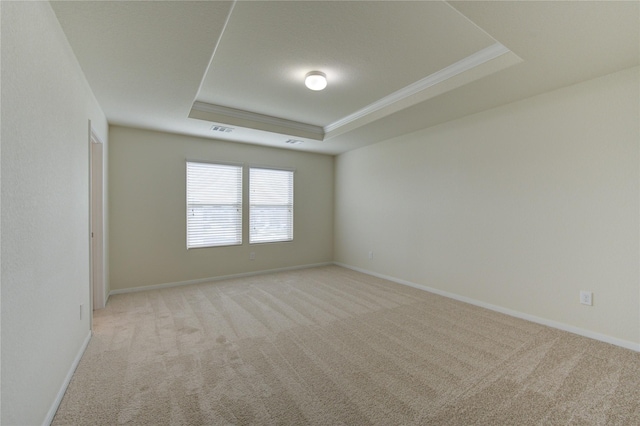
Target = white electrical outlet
(586,297)
(252,255)
(371,255)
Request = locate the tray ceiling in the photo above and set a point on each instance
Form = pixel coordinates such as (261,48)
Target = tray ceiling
(392,67)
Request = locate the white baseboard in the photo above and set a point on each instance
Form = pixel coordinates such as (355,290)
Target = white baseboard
(219,278)
(550,323)
(65,384)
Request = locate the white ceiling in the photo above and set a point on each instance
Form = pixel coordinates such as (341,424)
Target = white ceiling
(393,67)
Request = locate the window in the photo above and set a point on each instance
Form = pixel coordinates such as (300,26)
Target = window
(270,205)
(214,205)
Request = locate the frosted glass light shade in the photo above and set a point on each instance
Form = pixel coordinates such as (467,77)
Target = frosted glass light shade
(315,80)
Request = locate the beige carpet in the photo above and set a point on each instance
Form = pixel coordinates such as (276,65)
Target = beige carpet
(330,346)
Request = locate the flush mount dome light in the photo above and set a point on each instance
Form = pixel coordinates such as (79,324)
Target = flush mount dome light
(315,80)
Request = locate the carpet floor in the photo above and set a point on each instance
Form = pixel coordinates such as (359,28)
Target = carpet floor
(330,346)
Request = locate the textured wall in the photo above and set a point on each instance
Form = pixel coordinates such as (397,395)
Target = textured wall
(520,207)
(46,106)
(148,210)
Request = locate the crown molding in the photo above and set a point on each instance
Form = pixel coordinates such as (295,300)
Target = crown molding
(438,77)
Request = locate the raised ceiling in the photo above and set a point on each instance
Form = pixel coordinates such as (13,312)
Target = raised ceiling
(393,67)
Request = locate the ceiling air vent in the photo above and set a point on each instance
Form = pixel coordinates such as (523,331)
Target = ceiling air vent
(293,142)
(223,129)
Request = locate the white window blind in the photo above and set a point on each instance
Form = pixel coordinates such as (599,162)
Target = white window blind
(270,205)
(214,205)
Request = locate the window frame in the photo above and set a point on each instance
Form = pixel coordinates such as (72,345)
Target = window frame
(290,205)
(239,205)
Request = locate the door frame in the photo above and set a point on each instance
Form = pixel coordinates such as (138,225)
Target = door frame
(96,221)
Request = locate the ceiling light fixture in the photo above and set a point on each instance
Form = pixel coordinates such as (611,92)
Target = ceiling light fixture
(315,80)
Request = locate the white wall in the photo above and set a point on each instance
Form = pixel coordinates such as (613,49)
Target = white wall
(148,210)
(519,207)
(46,107)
